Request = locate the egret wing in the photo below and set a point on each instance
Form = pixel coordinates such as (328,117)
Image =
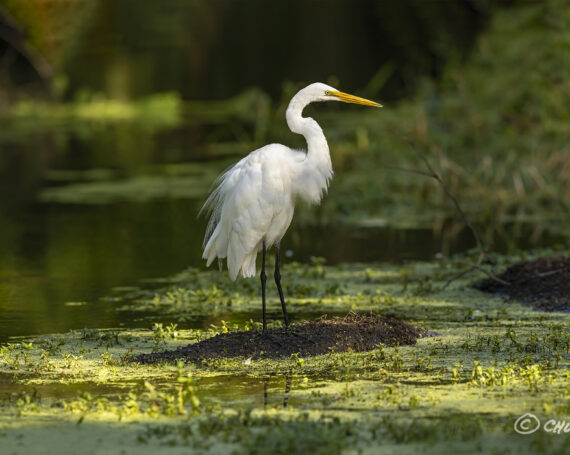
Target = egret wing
(241,214)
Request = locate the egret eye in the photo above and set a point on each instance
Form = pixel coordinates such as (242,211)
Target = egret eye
(328,93)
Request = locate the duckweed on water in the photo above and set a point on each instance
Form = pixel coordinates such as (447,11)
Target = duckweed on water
(492,361)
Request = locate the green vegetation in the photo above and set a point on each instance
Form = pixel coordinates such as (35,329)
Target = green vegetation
(494,126)
(184,181)
(488,362)
(161,111)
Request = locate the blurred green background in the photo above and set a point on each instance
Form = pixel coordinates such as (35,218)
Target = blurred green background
(116,116)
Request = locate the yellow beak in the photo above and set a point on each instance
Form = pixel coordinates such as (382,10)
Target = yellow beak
(345,97)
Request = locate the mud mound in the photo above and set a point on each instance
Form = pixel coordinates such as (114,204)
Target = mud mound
(543,283)
(355,331)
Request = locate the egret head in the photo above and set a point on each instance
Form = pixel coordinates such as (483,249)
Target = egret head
(323,92)
(316,92)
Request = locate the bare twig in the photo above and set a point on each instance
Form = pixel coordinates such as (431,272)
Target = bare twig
(456,277)
(482,252)
(435,175)
(545,274)
(480,269)
(491,275)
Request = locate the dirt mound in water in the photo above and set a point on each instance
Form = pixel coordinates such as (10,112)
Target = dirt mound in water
(543,283)
(355,331)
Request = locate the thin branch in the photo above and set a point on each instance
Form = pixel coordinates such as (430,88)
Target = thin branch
(482,253)
(480,269)
(551,272)
(436,176)
(491,275)
(456,277)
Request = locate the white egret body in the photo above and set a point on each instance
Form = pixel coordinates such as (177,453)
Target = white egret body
(253,203)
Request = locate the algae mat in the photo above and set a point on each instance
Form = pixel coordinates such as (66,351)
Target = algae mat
(461,391)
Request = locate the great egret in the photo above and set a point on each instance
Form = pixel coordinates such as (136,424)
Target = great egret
(253,202)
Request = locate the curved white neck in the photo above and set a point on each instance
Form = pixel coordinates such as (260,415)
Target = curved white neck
(316,169)
(317,146)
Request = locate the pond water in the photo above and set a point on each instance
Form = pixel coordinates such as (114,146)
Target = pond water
(63,261)
(240,390)
(65,249)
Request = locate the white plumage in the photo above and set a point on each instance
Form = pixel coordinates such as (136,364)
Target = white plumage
(255,199)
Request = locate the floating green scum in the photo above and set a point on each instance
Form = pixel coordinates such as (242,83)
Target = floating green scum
(490,362)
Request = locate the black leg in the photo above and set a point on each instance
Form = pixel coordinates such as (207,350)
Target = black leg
(277,277)
(263,280)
